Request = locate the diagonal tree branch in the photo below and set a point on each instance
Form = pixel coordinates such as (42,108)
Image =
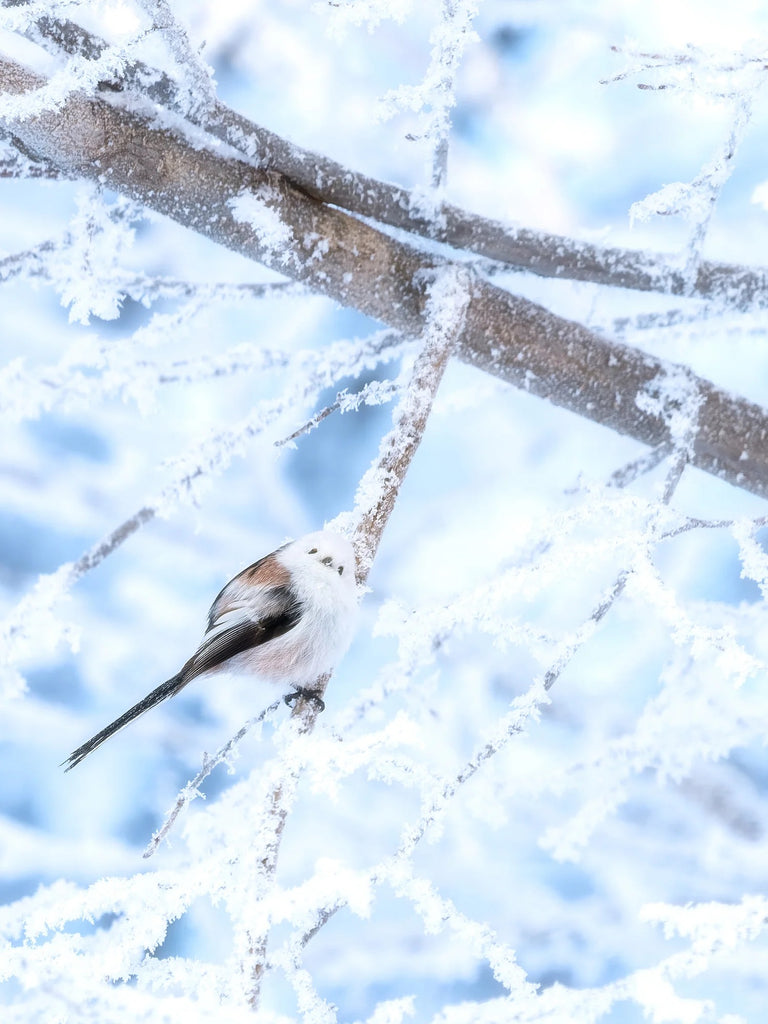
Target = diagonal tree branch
(541,253)
(377,494)
(226,200)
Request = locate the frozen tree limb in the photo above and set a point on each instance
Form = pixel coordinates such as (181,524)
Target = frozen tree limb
(511,337)
(538,252)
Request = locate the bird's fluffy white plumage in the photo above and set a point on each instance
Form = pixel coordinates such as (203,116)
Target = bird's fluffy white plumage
(318,572)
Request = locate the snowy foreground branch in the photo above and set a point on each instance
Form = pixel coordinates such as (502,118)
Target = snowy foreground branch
(261,215)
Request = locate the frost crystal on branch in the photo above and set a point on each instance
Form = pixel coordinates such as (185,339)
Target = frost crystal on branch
(734,81)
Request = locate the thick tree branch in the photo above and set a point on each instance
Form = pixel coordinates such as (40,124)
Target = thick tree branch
(539,252)
(353,263)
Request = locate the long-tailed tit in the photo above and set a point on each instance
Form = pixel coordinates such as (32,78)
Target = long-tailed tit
(288,617)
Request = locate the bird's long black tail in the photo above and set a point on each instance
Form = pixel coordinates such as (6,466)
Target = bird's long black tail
(160,693)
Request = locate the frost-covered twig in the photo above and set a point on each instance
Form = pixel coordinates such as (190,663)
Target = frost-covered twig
(145,289)
(97,370)
(434,98)
(695,201)
(373,393)
(735,79)
(619,326)
(192,788)
(717,933)
(692,69)
(31,262)
(626,474)
(680,402)
(196,74)
(379,487)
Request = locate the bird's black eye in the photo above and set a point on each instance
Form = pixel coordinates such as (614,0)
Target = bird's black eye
(313,551)
(341,570)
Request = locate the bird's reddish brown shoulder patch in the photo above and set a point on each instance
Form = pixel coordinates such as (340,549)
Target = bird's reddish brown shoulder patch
(266,573)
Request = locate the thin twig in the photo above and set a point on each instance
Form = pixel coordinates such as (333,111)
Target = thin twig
(628,473)
(201,97)
(514,722)
(144,288)
(30,261)
(398,448)
(192,788)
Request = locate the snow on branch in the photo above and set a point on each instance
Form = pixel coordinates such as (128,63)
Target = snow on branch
(379,487)
(79,74)
(511,337)
(434,98)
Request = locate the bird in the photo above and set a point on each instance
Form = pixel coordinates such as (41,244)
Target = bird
(288,618)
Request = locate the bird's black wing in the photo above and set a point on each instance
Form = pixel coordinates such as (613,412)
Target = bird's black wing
(246,634)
